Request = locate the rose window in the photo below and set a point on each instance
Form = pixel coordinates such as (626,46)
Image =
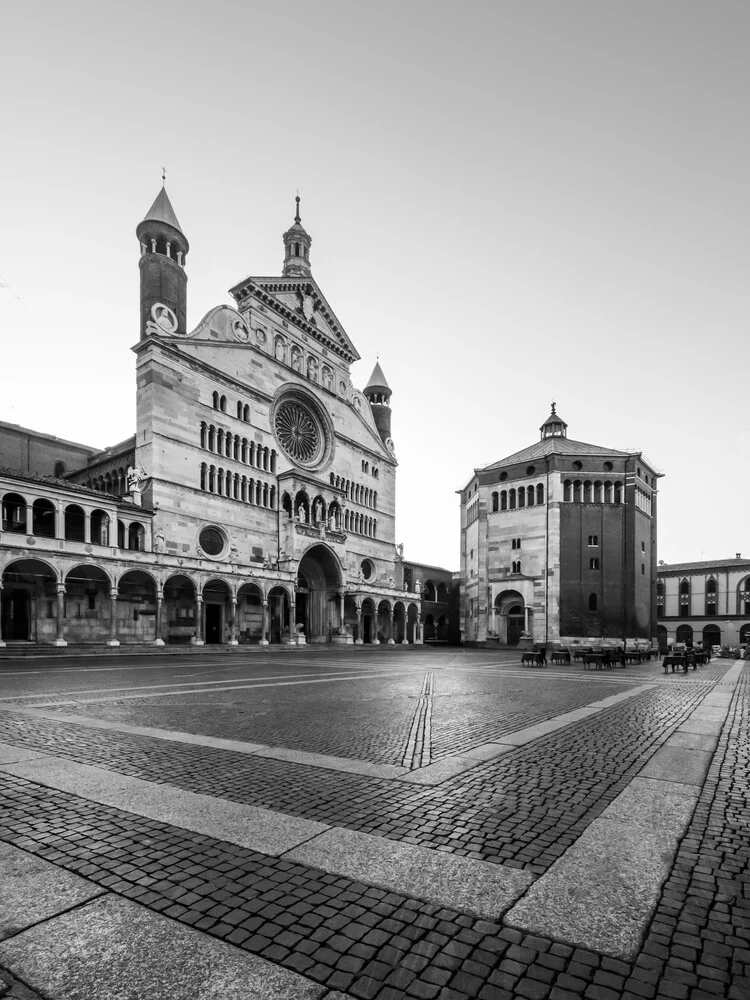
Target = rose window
(298,432)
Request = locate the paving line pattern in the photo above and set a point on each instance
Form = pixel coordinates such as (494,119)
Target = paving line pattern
(418,745)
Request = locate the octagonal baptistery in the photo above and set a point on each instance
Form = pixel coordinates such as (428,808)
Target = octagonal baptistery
(261,458)
(558,545)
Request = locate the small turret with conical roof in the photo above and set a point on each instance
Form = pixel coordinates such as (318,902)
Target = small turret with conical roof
(297,244)
(164,248)
(554,425)
(378,394)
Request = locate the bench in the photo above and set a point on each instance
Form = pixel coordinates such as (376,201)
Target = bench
(561,656)
(537,658)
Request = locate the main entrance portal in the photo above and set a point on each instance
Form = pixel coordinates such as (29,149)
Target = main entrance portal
(318,590)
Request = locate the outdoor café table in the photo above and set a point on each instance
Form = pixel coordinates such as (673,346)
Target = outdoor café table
(580,654)
(599,660)
(633,656)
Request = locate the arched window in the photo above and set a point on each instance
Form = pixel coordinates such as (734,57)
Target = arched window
(540,494)
(684,598)
(521,497)
(246,413)
(220,482)
(711,597)
(59,470)
(204,430)
(220,441)
(236,448)
(745,596)
(618,492)
(495,501)
(215,400)
(228,445)
(504,500)
(567,490)
(529,496)
(211,438)
(587,491)
(608,492)
(593,602)
(223,404)
(512,499)
(577,491)
(136,537)
(212,479)
(14,513)
(243,452)
(204,476)
(43,518)
(597,491)
(243,489)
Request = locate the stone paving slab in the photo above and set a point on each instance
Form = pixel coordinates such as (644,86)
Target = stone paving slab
(112,949)
(677,764)
(693,741)
(475,887)
(32,890)
(440,771)
(14,755)
(248,826)
(601,893)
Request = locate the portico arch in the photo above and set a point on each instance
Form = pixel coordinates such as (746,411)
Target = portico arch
(369,621)
(29,602)
(319,582)
(217,613)
(88,608)
(180,610)
(136,607)
(249,613)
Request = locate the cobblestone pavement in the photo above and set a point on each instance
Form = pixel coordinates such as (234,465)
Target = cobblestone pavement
(521,810)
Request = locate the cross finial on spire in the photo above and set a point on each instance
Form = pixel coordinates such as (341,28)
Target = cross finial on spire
(296,217)
(163,176)
(553,407)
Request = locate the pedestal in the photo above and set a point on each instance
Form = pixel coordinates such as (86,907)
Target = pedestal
(113,642)
(158,642)
(59,642)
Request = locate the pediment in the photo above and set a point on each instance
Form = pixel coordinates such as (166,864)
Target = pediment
(300,301)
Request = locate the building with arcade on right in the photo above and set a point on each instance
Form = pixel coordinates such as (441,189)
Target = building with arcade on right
(706,602)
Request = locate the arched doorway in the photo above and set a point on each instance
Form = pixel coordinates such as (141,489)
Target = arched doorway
(509,617)
(662,636)
(412,623)
(711,636)
(216,613)
(318,585)
(29,597)
(684,634)
(399,622)
(384,629)
(745,634)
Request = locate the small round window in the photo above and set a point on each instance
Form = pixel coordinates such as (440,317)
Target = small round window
(212,541)
(368,570)
(530,470)
(503,476)
(608,466)
(577,466)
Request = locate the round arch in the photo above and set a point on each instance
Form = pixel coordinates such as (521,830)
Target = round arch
(136,606)
(249,613)
(280,626)
(745,633)
(509,617)
(711,636)
(29,600)
(88,608)
(217,611)
(399,623)
(369,621)
(684,633)
(385,623)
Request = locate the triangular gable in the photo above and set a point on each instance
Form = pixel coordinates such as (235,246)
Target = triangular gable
(301,301)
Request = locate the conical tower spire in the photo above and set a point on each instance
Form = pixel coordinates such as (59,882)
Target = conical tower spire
(297,244)
(164,248)
(378,394)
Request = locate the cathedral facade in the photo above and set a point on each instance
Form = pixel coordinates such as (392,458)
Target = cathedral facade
(256,500)
(558,545)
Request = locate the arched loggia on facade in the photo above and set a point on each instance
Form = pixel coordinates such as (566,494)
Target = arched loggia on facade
(31,603)
(385,625)
(279,625)
(399,623)
(319,594)
(369,621)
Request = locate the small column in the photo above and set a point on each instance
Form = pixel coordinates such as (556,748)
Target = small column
(341,608)
(264,633)
(29,519)
(113,640)
(233,640)
(198,637)
(158,641)
(527,618)
(59,522)
(359,641)
(293,623)
(392,616)
(1,613)
(60,637)
(87,527)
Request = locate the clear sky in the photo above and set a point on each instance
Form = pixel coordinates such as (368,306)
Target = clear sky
(510,203)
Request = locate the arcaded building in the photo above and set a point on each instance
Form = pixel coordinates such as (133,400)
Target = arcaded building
(558,542)
(255,501)
(706,602)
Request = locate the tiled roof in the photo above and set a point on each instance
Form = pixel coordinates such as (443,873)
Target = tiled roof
(708,564)
(555,446)
(60,484)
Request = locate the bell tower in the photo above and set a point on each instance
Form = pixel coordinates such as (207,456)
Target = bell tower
(297,244)
(378,394)
(164,248)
